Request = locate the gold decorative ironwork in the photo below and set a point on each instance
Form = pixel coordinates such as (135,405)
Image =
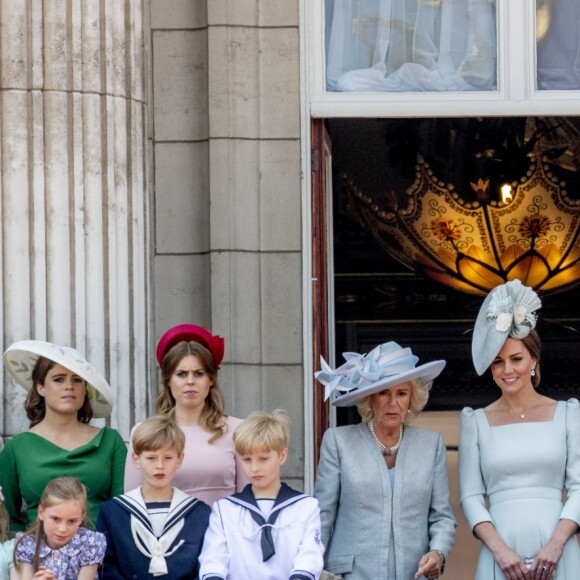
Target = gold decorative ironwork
(473,246)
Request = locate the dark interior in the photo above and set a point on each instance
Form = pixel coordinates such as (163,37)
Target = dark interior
(378,299)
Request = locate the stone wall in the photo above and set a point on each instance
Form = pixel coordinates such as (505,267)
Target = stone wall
(227,199)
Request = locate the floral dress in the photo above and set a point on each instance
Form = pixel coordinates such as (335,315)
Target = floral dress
(85,549)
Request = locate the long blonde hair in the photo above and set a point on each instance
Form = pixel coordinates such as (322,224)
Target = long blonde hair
(57,491)
(4,523)
(212,415)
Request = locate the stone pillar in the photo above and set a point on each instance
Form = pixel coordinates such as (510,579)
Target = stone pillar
(228,196)
(73,190)
(255,189)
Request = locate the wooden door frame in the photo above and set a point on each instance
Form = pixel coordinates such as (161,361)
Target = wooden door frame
(320,278)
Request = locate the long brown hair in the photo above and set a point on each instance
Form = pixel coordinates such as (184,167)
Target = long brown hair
(212,414)
(534,346)
(35,405)
(56,492)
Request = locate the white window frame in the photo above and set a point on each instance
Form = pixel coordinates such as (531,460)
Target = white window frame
(516,71)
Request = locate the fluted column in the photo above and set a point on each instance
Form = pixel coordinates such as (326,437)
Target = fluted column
(73,189)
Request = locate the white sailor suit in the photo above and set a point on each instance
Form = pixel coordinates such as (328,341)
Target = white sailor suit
(133,551)
(241,544)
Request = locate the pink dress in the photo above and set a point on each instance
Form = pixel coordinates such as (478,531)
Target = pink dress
(210,471)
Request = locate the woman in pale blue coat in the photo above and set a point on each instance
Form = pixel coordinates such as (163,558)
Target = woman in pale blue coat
(382,484)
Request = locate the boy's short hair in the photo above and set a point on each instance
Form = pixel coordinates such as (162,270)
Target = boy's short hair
(157,432)
(263,431)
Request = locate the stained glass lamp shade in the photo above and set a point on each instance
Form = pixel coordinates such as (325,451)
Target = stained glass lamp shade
(475,245)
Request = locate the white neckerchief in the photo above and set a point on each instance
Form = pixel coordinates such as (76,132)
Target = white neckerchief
(155,548)
(150,546)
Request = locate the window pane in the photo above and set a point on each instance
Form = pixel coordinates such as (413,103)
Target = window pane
(410,45)
(558,44)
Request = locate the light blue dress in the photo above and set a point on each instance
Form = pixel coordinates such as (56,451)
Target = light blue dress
(522,469)
(6,551)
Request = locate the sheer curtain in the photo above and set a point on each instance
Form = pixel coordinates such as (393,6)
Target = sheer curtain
(558,37)
(410,45)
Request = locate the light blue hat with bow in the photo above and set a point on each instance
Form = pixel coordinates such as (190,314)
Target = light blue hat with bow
(508,311)
(386,366)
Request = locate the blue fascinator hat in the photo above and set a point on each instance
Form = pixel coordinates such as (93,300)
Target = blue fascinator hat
(386,366)
(508,311)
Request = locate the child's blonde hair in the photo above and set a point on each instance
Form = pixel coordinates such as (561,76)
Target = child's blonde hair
(57,491)
(157,432)
(263,431)
(4,519)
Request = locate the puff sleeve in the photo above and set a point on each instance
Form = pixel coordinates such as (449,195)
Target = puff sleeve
(471,485)
(571,510)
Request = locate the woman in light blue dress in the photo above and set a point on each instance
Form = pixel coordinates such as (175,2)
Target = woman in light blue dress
(518,454)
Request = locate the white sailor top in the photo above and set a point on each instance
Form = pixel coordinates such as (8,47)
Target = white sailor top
(133,550)
(241,544)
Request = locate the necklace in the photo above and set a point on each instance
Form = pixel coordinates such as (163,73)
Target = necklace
(387,450)
(523,413)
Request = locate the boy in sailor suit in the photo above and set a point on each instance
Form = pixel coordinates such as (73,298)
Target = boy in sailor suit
(268,531)
(155,531)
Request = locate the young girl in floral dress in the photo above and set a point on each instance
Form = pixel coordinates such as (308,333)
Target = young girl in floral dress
(58,546)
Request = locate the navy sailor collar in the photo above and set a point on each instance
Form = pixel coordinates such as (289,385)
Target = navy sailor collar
(181,505)
(286,496)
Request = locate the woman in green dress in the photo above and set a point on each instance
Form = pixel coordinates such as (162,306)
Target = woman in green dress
(64,393)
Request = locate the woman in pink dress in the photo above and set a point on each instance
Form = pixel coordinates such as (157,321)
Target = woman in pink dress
(189,357)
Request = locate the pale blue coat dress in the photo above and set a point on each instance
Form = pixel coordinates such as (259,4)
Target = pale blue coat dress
(359,509)
(522,468)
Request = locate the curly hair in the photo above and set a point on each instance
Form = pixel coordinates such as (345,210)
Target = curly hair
(419,398)
(212,416)
(35,405)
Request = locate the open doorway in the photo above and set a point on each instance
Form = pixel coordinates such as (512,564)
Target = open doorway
(376,297)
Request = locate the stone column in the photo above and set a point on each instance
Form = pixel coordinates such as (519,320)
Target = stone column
(227,193)
(255,188)
(73,186)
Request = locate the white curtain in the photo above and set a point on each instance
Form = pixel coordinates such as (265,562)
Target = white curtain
(558,32)
(410,45)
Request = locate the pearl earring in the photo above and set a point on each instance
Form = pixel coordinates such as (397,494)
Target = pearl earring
(533,373)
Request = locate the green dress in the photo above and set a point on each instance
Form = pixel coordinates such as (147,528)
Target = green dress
(28,462)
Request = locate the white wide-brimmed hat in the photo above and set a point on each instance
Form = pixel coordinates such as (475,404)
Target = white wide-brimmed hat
(20,358)
(508,311)
(386,366)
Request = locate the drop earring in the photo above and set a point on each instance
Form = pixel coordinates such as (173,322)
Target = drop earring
(533,373)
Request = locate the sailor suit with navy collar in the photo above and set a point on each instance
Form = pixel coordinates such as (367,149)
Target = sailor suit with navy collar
(134,551)
(242,544)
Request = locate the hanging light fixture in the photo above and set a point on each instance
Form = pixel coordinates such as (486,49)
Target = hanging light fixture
(530,232)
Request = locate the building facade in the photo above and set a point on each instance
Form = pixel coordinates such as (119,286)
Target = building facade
(165,161)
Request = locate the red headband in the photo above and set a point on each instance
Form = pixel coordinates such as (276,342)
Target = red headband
(191,332)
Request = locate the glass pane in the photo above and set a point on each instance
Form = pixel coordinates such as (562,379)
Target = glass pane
(410,45)
(558,44)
